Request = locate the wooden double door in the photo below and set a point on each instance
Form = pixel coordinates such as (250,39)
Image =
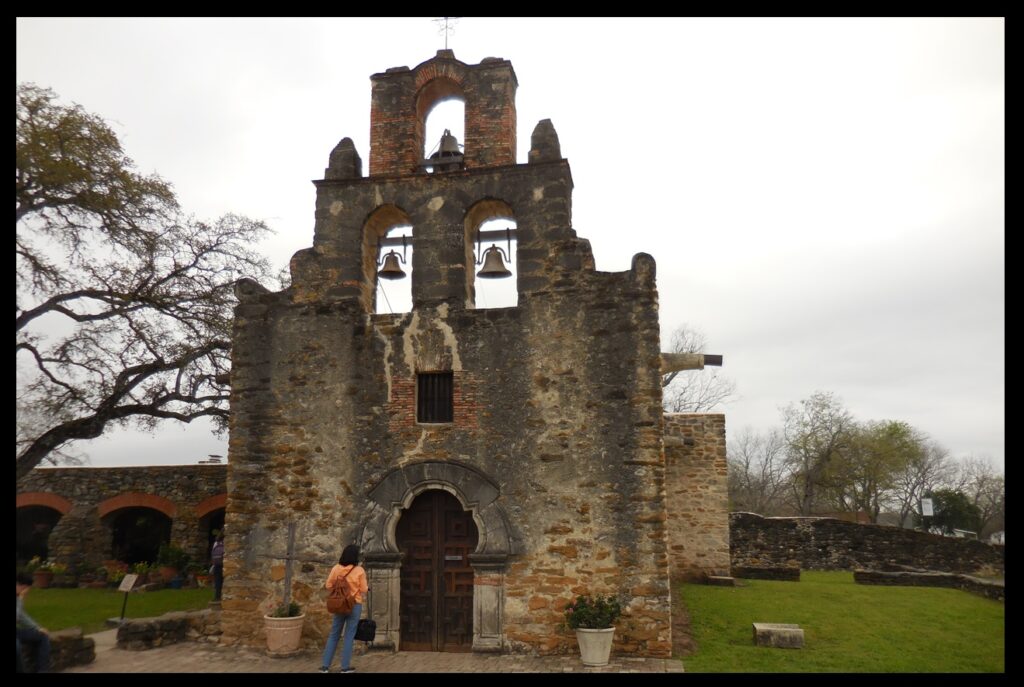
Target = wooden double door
(436,536)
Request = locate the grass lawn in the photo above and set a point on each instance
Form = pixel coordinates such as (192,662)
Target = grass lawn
(847,627)
(57,609)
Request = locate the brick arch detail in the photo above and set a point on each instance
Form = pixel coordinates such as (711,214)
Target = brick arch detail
(433,70)
(211,504)
(44,498)
(137,500)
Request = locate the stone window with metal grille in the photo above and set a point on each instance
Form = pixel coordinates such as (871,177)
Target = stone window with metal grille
(435,398)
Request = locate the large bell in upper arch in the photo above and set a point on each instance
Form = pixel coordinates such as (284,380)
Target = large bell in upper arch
(494,265)
(391,268)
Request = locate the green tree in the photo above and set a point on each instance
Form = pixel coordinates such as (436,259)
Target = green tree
(816,431)
(124,305)
(954,510)
(863,477)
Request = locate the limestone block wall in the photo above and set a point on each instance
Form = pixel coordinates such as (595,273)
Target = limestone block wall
(564,424)
(697,495)
(830,544)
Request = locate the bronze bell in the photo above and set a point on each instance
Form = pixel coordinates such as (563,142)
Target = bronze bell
(391,268)
(449,145)
(494,266)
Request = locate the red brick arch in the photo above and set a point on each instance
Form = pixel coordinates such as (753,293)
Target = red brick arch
(136,499)
(44,498)
(211,504)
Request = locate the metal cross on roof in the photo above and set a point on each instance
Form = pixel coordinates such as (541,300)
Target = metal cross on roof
(446,26)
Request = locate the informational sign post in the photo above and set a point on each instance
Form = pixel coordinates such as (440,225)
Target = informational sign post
(126,586)
(926,508)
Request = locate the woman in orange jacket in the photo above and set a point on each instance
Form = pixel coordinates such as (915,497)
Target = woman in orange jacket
(355,577)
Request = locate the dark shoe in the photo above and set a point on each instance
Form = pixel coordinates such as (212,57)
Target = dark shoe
(348,670)
(323,669)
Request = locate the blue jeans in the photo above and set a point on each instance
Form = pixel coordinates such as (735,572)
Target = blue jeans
(39,645)
(349,622)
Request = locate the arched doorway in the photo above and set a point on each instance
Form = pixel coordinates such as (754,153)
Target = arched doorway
(32,532)
(137,533)
(435,536)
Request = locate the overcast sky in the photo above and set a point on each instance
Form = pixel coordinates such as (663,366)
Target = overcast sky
(824,197)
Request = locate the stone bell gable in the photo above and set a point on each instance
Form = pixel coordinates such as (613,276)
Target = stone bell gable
(544,477)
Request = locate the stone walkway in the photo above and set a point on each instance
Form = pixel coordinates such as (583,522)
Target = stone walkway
(193,657)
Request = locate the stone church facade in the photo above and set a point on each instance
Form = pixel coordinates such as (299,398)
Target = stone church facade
(491,463)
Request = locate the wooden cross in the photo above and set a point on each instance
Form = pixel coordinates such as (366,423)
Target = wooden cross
(288,558)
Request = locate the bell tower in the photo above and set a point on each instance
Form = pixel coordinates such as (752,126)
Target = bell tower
(401,99)
(351,244)
(488,461)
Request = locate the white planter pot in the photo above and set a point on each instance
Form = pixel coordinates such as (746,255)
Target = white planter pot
(595,645)
(283,634)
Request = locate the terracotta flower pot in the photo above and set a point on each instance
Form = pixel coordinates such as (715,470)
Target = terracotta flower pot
(41,579)
(284,635)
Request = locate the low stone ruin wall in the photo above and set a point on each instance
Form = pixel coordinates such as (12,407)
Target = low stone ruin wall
(139,634)
(67,648)
(781,573)
(990,589)
(830,544)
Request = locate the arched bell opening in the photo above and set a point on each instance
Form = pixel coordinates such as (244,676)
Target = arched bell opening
(441,125)
(388,245)
(491,256)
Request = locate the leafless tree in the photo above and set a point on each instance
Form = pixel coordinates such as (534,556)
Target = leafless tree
(694,391)
(758,478)
(985,487)
(124,305)
(929,470)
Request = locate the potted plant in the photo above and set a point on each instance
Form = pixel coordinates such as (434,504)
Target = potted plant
(200,573)
(42,575)
(60,575)
(170,561)
(593,618)
(284,629)
(145,572)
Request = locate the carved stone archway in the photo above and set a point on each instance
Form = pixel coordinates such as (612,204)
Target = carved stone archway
(478,495)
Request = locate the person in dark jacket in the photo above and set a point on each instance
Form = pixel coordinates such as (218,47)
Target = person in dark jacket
(31,633)
(217,557)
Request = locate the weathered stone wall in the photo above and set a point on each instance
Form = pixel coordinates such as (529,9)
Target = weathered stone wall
(829,544)
(140,634)
(556,447)
(697,495)
(82,537)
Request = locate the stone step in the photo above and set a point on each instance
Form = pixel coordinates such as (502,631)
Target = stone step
(780,635)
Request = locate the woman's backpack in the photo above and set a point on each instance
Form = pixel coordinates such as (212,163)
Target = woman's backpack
(341,599)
